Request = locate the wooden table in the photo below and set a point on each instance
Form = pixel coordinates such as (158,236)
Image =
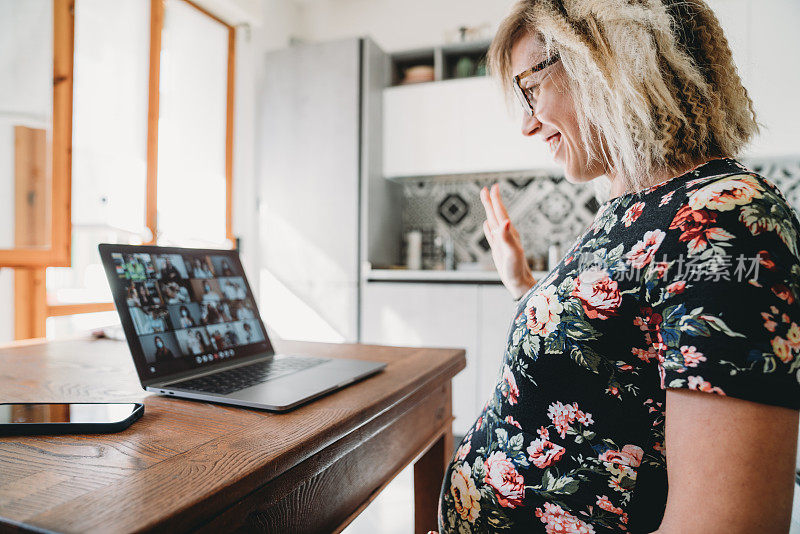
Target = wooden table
(196,466)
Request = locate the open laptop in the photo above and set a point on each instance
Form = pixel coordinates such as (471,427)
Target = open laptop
(195,332)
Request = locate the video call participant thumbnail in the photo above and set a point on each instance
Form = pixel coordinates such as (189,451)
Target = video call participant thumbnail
(223,267)
(223,336)
(170,267)
(150,320)
(185,315)
(214,312)
(243,309)
(199,267)
(175,292)
(233,288)
(249,332)
(160,348)
(143,294)
(135,267)
(206,290)
(194,341)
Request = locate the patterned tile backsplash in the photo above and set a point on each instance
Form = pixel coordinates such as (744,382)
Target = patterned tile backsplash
(545,209)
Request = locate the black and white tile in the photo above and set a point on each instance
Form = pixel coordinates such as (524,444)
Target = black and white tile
(545,209)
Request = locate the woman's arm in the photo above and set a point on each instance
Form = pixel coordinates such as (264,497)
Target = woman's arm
(730,465)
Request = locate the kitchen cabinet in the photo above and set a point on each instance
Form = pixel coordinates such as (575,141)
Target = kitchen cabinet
(417,315)
(453,127)
(470,316)
(495,311)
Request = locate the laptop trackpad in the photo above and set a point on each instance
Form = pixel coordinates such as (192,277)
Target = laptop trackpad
(290,390)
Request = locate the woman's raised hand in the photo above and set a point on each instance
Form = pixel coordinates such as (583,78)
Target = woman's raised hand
(507,253)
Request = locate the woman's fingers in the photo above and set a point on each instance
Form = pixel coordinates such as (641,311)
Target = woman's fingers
(497,203)
(487,206)
(506,231)
(487,231)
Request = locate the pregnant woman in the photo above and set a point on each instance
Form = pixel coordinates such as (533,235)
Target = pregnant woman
(650,380)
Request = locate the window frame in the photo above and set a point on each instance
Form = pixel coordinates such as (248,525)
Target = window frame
(57,254)
(156,29)
(31,304)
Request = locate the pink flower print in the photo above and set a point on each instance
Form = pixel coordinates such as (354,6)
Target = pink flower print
(510,420)
(509,387)
(563,415)
(604,503)
(691,356)
(508,484)
(598,293)
(463,450)
(559,521)
(642,252)
(697,382)
(676,288)
(543,453)
(630,455)
(632,213)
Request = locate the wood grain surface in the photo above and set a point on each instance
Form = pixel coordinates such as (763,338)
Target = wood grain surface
(189,466)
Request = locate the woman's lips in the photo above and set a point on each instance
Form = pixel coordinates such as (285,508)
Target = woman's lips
(554,142)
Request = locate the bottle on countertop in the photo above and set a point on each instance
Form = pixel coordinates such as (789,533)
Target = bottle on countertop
(449,253)
(553,256)
(414,250)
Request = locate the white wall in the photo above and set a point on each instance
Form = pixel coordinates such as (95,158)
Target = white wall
(398,24)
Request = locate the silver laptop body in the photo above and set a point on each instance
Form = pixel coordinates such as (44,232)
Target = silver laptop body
(195,332)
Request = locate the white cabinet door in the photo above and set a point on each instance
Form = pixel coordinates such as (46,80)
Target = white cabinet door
(495,313)
(773,75)
(428,315)
(455,126)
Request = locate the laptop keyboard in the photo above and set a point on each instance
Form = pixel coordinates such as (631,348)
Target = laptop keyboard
(226,382)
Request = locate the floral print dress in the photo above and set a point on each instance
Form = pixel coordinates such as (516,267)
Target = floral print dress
(693,283)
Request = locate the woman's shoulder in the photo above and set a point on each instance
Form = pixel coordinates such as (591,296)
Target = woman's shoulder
(730,207)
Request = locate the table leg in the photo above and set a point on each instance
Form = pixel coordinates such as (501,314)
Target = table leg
(428,475)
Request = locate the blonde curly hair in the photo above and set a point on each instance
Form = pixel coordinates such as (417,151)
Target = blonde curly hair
(655,79)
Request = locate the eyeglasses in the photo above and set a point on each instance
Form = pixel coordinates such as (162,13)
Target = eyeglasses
(525,94)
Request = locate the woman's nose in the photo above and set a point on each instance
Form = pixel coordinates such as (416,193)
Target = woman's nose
(530,124)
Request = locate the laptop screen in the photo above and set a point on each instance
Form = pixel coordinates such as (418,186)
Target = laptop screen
(187,307)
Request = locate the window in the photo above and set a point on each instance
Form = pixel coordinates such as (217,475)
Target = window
(192,144)
(152,147)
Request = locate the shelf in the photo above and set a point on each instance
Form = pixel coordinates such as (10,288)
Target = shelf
(412,58)
(432,276)
(444,60)
(493,176)
(428,275)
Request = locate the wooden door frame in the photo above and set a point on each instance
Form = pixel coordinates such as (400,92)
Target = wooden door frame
(58,253)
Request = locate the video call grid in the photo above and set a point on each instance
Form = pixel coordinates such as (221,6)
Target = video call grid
(187,306)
